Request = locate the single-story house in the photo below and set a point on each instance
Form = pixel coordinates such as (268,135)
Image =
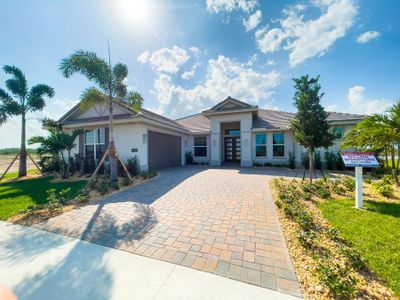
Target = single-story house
(230,132)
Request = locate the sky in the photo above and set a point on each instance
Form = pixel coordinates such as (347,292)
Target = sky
(185,56)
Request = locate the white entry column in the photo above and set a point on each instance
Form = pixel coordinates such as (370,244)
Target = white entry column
(215,141)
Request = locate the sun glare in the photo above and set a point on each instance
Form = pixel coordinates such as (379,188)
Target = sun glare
(134,11)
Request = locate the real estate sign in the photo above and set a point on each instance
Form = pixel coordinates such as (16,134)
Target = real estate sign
(359,159)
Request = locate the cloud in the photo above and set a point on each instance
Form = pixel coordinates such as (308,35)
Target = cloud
(168,60)
(252,21)
(218,6)
(271,62)
(367,36)
(359,103)
(308,38)
(224,77)
(144,57)
(187,75)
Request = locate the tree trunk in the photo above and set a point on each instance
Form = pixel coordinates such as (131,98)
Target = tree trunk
(111,144)
(394,169)
(386,159)
(311,168)
(68,163)
(22,153)
(398,157)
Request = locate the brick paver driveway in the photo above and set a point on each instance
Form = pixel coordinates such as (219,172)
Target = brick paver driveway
(219,220)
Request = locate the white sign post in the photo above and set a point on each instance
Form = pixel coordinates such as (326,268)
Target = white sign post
(359,187)
(359,160)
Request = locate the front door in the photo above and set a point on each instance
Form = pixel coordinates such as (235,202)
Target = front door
(233,150)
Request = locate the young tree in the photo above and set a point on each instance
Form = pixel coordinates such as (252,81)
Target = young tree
(25,100)
(310,125)
(110,89)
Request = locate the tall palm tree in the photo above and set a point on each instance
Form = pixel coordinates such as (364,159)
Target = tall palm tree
(25,100)
(110,88)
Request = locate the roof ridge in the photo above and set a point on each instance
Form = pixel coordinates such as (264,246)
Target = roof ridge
(277,110)
(189,116)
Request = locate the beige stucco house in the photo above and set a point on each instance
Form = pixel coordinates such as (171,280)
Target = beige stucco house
(231,132)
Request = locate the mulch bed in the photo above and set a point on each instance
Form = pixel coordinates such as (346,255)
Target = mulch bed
(369,286)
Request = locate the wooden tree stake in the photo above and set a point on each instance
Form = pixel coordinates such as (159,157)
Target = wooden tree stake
(9,166)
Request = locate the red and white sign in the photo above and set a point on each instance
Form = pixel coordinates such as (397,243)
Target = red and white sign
(359,159)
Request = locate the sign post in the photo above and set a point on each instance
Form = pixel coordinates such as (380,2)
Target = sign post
(359,160)
(359,187)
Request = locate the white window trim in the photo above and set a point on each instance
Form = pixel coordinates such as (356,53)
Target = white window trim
(205,146)
(95,130)
(265,145)
(284,145)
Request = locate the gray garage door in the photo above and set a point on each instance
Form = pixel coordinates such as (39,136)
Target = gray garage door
(164,151)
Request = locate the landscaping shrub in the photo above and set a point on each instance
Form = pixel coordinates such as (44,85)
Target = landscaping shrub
(384,190)
(126,181)
(384,187)
(349,183)
(338,279)
(353,256)
(257,164)
(56,199)
(82,197)
(189,158)
(330,160)
(133,165)
(307,238)
(339,162)
(292,160)
(333,234)
(323,193)
(148,175)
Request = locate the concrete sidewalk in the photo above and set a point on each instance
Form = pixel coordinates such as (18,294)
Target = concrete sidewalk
(40,265)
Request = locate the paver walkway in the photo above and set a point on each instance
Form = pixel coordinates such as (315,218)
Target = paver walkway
(38,265)
(216,220)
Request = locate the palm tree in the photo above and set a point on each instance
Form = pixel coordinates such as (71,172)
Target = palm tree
(25,100)
(110,88)
(377,133)
(55,145)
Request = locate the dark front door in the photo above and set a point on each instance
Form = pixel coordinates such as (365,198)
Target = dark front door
(233,150)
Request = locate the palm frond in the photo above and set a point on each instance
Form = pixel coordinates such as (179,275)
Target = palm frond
(8,107)
(89,65)
(134,100)
(92,96)
(35,100)
(18,84)
(119,72)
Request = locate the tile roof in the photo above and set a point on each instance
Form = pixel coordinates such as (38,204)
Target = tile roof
(268,119)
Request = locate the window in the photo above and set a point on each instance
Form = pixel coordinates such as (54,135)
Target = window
(278,144)
(200,146)
(232,132)
(261,145)
(95,143)
(339,131)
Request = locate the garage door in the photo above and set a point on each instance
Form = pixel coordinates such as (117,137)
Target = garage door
(164,150)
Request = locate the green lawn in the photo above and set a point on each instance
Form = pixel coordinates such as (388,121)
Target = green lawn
(374,232)
(15,174)
(18,195)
